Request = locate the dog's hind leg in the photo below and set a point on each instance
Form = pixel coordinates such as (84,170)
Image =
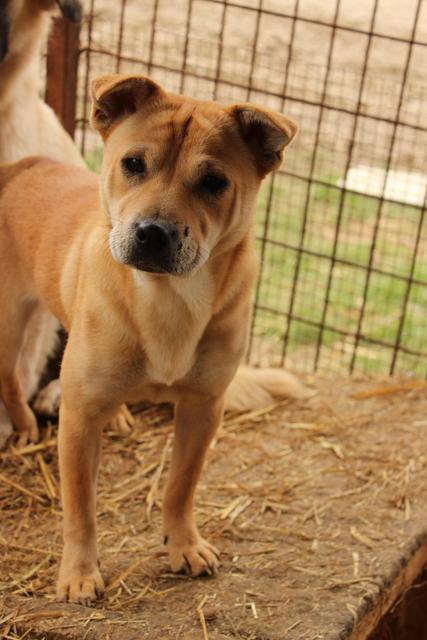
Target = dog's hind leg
(6,427)
(48,399)
(12,332)
(40,340)
(22,417)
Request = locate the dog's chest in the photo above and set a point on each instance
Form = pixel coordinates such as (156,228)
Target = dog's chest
(167,363)
(172,325)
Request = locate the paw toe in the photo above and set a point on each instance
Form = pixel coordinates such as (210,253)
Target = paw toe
(81,589)
(123,421)
(199,559)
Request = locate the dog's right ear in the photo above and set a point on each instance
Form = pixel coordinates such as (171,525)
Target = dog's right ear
(266,133)
(4,32)
(115,97)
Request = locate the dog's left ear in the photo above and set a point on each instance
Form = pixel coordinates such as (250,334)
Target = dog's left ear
(71,9)
(117,96)
(266,133)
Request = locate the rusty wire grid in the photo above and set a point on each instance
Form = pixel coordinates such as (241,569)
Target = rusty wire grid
(341,227)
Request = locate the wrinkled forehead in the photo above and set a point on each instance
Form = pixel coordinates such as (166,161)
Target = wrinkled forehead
(177,128)
(195,117)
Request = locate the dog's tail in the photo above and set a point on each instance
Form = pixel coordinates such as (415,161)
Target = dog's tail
(253,389)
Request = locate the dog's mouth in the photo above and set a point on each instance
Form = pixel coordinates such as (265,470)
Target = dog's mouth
(156,247)
(156,269)
(174,268)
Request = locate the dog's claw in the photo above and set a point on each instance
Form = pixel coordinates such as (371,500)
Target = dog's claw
(187,564)
(211,568)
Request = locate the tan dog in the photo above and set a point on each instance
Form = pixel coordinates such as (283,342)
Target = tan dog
(154,286)
(27,127)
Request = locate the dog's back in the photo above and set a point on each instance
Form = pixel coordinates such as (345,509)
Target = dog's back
(10,170)
(43,205)
(29,126)
(15,282)
(38,194)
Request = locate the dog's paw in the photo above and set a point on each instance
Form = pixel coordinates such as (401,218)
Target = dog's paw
(123,421)
(48,399)
(28,429)
(196,558)
(6,428)
(83,588)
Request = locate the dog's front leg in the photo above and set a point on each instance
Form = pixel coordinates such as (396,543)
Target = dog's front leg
(196,421)
(79,444)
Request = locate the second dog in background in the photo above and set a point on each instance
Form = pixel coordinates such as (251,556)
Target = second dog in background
(28,126)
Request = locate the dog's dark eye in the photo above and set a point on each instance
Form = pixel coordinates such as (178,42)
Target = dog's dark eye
(134,165)
(213,183)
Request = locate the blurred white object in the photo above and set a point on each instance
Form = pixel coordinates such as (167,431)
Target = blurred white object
(400,186)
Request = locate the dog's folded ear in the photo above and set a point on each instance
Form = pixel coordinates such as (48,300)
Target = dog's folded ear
(115,97)
(266,133)
(71,9)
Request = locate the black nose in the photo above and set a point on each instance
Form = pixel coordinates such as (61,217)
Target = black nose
(157,241)
(155,237)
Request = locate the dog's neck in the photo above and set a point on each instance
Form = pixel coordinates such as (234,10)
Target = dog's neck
(199,292)
(171,313)
(20,70)
(190,297)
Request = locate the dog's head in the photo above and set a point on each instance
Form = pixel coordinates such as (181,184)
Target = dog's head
(19,16)
(180,176)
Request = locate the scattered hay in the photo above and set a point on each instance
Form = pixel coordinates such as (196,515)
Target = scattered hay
(315,504)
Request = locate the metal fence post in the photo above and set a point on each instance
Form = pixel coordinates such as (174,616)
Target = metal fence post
(61,71)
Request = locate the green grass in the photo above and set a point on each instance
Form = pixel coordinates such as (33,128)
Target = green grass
(93,159)
(385,294)
(347,281)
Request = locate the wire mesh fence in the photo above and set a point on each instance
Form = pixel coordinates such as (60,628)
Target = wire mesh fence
(341,228)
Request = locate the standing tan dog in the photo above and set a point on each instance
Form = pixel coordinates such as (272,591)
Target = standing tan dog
(27,127)
(154,285)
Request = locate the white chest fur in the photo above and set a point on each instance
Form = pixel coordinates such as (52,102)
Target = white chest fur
(173,314)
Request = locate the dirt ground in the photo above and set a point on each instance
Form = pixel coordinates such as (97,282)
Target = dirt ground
(394,19)
(198,40)
(316,507)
